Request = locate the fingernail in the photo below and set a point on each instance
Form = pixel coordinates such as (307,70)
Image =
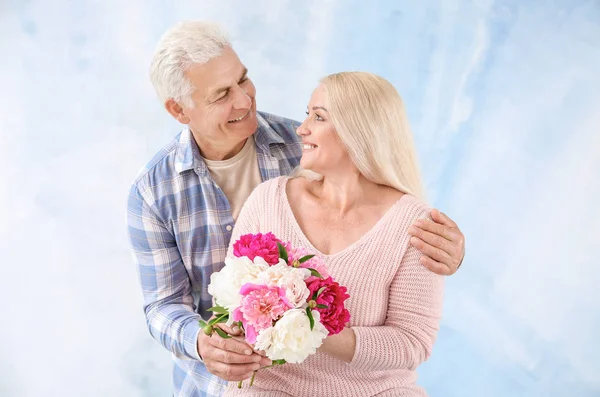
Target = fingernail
(235,329)
(412,230)
(418,222)
(247,352)
(255,367)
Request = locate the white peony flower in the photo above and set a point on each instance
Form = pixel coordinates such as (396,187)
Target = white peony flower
(272,274)
(295,288)
(289,278)
(291,338)
(225,285)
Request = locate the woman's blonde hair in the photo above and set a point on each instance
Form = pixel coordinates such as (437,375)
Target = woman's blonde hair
(369,117)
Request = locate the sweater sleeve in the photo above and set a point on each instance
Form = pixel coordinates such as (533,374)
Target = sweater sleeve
(414,312)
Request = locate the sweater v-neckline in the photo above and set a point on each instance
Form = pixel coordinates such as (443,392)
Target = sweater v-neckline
(361,240)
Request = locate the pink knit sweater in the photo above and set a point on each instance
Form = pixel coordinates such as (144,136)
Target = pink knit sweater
(395,304)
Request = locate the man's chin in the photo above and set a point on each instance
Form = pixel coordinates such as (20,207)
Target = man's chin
(247,129)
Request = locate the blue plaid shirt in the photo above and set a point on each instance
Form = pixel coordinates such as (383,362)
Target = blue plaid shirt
(180,223)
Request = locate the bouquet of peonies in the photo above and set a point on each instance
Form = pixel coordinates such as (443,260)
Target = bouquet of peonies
(282,297)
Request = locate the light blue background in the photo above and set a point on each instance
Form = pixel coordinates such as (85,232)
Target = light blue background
(503,98)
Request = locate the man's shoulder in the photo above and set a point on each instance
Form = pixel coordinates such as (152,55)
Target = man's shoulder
(275,119)
(284,127)
(160,166)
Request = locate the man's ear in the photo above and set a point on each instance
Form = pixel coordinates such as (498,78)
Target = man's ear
(176,111)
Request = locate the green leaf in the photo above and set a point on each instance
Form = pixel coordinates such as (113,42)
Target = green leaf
(202,323)
(320,291)
(315,273)
(222,333)
(322,306)
(218,309)
(282,252)
(279,362)
(310,318)
(305,258)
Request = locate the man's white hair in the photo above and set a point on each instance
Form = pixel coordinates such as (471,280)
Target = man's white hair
(182,46)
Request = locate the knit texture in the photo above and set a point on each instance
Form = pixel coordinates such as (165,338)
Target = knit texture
(395,304)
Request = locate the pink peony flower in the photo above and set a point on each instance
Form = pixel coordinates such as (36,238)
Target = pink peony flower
(335,316)
(262,245)
(261,305)
(316,262)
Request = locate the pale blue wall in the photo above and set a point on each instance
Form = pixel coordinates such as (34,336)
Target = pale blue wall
(504,101)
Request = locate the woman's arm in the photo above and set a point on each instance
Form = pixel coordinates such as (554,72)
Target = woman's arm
(413,316)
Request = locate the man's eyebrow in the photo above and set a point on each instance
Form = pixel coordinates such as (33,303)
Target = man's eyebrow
(224,89)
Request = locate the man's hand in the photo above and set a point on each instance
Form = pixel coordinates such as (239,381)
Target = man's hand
(229,359)
(441,241)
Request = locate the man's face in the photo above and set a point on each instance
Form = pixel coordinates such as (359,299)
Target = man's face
(224,114)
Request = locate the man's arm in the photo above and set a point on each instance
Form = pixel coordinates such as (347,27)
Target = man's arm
(168,301)
(441,241)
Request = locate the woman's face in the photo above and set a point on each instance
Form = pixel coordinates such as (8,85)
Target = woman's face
(322,150)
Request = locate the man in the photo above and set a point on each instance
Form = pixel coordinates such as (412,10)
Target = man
(183,205)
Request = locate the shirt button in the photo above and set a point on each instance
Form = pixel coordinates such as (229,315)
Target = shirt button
(228,227)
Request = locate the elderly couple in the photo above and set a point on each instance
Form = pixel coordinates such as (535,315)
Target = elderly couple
(344,183)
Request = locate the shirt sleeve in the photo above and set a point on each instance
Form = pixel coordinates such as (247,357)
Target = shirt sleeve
(166,287)
(414,312)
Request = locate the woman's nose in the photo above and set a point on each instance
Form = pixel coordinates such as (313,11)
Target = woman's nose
(302,129)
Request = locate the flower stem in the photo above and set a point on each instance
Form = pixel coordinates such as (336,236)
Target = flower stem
(252,379)
(240,384)
(218,318)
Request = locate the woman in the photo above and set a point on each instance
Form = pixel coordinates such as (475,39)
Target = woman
(352,203)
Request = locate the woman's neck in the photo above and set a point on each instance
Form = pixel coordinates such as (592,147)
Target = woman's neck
(344,193)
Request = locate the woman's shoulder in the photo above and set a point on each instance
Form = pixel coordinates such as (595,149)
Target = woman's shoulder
(412,208)
(401,204)
(269,189)
(262,204)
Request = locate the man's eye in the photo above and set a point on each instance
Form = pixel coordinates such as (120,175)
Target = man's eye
(223,96)
(318,118)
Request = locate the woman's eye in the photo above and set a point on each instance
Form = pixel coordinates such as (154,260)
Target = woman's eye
(317,117)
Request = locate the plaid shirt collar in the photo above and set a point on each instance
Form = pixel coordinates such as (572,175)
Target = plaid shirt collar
(187,156)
